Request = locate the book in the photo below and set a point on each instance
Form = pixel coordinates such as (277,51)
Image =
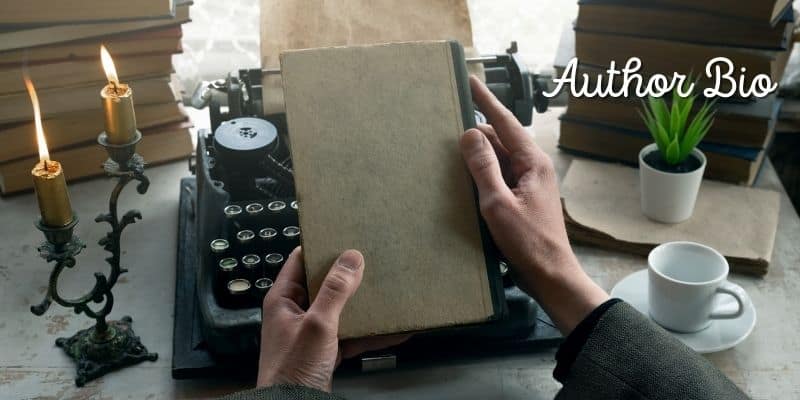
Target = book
(378,168)
(59,12)
(167,144)
(37,36)
(84,72)
(645,20)
(158,41)
(667,57)
(726,163)
(78,127)
(769,11)
(737,124)
(17,107)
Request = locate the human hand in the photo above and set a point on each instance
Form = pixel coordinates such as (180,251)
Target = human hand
(520,201)
(299,344)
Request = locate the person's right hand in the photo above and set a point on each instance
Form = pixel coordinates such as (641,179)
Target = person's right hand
(519,199)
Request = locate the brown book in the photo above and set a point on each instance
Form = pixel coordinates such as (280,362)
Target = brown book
(75,128)
(55,12)
(381,172)
(609,143)
(737,124)
(644,20)
(158,146)
(88,72)
(667,57)
(761,10)
(38,36)
(17,107)
(159,41)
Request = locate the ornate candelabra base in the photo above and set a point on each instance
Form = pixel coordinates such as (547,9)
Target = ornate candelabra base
(97,353)
(108,345)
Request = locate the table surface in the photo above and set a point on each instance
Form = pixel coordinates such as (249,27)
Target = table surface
(766,365)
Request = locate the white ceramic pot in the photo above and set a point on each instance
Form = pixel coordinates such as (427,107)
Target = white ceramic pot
(669,197)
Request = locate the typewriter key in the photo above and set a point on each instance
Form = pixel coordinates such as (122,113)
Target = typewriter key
(254,208)
(251,261)
(232,211)
(263,285)
(276,206)
(238,287)
(228,264)
(273,263)
(295,205)
(267,234)
(219,245)
(291,232)
(246,236)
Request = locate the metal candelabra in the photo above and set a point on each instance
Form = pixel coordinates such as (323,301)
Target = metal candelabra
(108,345)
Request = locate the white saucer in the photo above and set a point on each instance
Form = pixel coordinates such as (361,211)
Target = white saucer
(722,334)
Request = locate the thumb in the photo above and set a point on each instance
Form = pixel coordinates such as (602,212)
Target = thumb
(339,285)
(483,164)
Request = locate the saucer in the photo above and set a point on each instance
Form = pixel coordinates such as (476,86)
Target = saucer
(722,334)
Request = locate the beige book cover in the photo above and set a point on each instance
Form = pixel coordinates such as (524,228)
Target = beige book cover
(374,134)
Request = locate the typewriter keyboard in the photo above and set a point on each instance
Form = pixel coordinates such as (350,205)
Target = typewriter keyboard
(249,253)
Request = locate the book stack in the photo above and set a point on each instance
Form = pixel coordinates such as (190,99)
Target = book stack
(680,36)
(58,45)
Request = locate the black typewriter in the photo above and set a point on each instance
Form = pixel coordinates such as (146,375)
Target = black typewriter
(238,223)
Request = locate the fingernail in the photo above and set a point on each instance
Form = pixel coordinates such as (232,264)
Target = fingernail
(474,138)
(351,259)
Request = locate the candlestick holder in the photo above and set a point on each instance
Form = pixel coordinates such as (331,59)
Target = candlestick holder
(108,345)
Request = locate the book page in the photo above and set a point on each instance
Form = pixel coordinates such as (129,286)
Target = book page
(374,135)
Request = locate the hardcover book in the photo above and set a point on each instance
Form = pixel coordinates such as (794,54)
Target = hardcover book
(374,141)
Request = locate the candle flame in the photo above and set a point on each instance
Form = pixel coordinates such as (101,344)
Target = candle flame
(44,154)
(108,66)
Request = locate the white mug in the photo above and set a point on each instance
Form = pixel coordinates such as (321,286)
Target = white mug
(684,279)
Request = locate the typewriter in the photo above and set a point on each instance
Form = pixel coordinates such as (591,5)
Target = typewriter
(238,223)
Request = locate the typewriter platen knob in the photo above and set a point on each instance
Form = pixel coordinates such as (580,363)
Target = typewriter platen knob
(243,142)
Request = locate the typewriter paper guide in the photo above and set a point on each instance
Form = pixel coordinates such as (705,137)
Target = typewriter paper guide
(374,139)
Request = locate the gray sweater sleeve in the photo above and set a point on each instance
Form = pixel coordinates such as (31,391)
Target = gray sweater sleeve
(628,357)
(282,392)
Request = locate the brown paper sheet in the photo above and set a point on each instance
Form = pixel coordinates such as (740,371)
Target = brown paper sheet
(601,206)
(302,24)
(378,168)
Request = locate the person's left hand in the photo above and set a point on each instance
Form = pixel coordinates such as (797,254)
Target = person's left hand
(299,345)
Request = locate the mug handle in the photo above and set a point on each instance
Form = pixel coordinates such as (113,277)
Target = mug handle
(738,293)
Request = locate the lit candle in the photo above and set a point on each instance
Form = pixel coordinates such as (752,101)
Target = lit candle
(120,119)
(48,177)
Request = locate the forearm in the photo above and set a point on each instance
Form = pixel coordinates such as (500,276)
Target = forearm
(563,289)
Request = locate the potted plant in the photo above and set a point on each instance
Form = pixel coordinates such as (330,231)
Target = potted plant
(671,169)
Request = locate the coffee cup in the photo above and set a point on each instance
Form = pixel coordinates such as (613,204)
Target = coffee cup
(684,279)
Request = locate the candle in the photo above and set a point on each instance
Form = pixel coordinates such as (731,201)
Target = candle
(48,177)
(120,118)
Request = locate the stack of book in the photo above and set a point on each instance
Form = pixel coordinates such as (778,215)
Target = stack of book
(678,36)
(58,46)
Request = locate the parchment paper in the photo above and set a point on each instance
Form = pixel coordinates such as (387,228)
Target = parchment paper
(301,24)
(602,207)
